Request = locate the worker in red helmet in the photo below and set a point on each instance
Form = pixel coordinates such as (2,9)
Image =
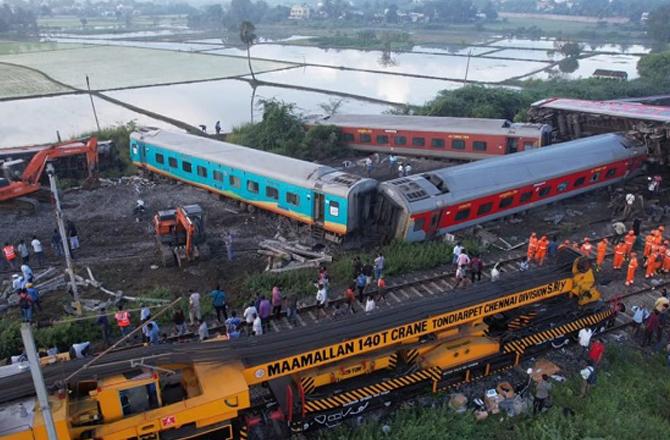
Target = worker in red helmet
(586,248)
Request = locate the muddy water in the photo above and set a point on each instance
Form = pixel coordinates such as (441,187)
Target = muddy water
(229,101)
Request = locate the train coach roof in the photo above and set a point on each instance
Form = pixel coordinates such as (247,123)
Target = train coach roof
(433,123)
(260,162)
(477,179)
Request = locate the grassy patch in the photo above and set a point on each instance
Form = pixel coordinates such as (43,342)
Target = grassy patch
(628,402)
(18,81)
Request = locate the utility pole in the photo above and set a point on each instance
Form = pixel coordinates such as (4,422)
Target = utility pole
(95,114)
(38,380)
(66,245)
(467,68)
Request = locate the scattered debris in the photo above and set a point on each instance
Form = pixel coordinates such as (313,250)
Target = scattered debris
(284,255)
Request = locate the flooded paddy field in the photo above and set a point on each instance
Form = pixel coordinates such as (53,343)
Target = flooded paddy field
(176,75)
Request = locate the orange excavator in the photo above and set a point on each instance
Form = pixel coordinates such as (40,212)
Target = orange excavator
(180,235)
(17,181)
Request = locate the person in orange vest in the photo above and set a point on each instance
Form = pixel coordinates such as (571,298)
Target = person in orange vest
(532,246)
(658,238)
(122,320)
(9,252)
(666,258)
(601,251)
(650,266)
(541,253)
(586,248)
(660,256)
(649,242)
(619,254)
(632,267)
(630,241)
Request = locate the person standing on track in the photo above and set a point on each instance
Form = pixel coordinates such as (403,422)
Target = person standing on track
(276,301)
(629,240)
(632,267)
(648,243)
(532,246)
(542,246)
(650,265)
(601,251)
(219,302)
(619,254)
(194,307)
(9,253)
(38,250)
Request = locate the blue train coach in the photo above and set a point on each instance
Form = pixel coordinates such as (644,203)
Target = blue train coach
(331,200)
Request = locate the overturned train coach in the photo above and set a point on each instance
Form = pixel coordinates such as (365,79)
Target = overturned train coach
(431,204)
(301,379)
(337,204)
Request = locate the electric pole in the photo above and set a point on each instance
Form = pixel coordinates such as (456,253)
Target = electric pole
(38,380)
(66,245)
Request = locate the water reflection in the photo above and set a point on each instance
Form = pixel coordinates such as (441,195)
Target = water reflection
(233,102)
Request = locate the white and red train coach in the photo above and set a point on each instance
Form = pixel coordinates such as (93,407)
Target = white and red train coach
(431,204)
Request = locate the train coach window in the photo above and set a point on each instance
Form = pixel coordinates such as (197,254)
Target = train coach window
(579,182)
(401,140)
(595,177)
(348,137)
(234,181)
(418,141)
(218,176)
(272,193)
(202,171)
(610,173)
(437,143)
(292,198)
(186,166)
(382,140)
(419,224)
(544,191)
(483,209)
(252,186)
(525,197)
(334,209)
(505,202)
(172,162)
(462,214)
(562,187)
(160,158)
(479,146)
(458,144)
(365,138)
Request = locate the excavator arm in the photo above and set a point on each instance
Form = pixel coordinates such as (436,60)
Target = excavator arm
(30,178)
(189,228)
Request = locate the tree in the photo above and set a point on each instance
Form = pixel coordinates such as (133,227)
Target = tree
(391,14)
(248,38)
(570,49)
(84,22)
(658,25)
(490,11)
(655,68)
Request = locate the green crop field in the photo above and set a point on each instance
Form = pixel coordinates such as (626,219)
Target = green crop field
(18,82)
(115,67)
(16,47)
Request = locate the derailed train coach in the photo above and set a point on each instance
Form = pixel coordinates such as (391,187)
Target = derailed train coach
(431,204)
(332,201)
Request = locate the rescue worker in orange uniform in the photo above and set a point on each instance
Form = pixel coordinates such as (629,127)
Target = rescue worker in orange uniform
(666,258)
(660,256)
(632,267)
(541,253)
(601,251)
(649,242)
(586,248)
(619,254)
(650,266)
(532,246)
(629,239)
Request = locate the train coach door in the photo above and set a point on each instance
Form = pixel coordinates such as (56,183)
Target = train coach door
(512,145)
(434,223)
(319,209)
(143,152)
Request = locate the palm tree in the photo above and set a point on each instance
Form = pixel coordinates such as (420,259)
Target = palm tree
(248,37)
